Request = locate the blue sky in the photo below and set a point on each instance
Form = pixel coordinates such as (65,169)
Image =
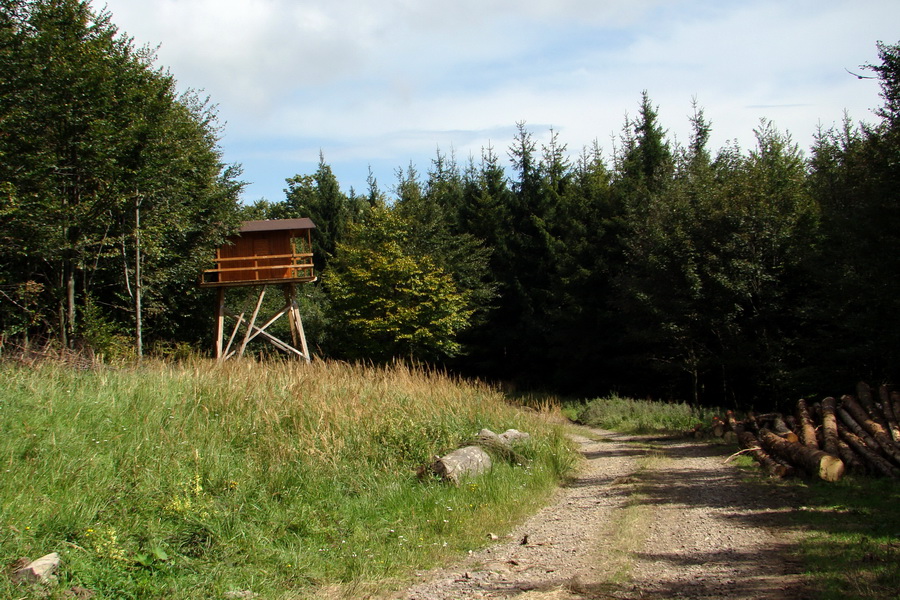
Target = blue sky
(385,84)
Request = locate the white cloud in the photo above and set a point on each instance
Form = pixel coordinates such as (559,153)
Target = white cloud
(369,81)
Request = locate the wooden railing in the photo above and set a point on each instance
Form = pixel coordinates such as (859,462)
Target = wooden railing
(263,268)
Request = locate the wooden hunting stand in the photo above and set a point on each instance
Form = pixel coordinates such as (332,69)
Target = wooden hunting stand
(263,253)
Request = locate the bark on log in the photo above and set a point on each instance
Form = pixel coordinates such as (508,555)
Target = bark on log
(864,395)
(829,427)
(817,462)
(502,445)
(793,425)
(780,428)
(467,461)
(851,460)
(752,423)
(807,427)
(872,459)
(514,436)
(878,433)
(771,466)
(895,404)
(733,423)
(768,416)
(856,429)
(890,416)
(38,571)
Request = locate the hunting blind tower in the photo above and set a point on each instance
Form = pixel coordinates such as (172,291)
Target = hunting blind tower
(263,253)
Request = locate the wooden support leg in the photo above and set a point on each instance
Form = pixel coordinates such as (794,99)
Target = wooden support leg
(298,336)
(262,294)
(220,322)
(303,346)
(289,294)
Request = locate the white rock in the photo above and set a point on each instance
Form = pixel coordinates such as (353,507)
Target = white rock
(39,570)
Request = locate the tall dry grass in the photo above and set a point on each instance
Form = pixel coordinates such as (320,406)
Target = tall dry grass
(190,480)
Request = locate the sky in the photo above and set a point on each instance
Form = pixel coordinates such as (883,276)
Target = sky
(385,84)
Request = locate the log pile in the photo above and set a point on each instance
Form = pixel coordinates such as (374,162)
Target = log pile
(858,434)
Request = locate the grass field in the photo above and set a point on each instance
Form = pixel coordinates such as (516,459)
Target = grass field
(281,480)
(848,534)
(639,416)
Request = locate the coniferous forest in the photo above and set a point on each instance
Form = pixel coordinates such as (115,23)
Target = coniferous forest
(735,276)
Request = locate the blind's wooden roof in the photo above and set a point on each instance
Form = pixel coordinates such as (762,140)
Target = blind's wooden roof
(277,225)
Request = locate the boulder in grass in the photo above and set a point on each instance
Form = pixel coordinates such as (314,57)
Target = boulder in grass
(512,436)
(465,462)
(42,570)
(488,438)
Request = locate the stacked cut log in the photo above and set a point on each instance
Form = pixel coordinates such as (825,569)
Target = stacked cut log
(860,435)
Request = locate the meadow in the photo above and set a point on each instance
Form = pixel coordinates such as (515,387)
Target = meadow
(281,480)
(627,415)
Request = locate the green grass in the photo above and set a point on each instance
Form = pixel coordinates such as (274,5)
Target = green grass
(638,416)
(851,537)
(290,481)
(848,532)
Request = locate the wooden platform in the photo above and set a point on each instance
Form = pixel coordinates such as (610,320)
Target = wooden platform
(262,253)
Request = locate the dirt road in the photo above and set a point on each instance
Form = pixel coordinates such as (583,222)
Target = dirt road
(643,519)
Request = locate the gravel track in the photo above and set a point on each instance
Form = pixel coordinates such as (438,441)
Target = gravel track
(643,518)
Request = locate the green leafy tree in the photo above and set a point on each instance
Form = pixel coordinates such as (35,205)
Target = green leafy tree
(388,302)
(444,187)
(96,151)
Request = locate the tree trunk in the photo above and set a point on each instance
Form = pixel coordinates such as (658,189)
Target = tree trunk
(749,442)
(851,460)
(807,427)
(70,304)
(822,464)
(878,433)
(879,464)
(783,430)
(895,404)
(864,395)
(854,427)
(829,427)
(61,312)
(889,414)
(138,283)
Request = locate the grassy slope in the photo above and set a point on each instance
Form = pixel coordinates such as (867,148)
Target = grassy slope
(639,416)
(285,480)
